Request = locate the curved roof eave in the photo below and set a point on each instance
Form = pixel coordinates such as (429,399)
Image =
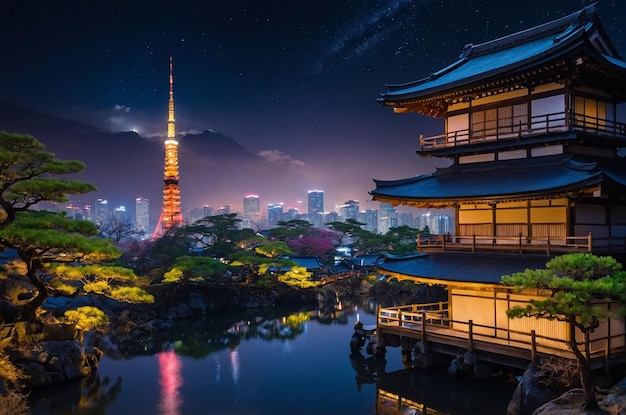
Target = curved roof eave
(413,92)
(520,179)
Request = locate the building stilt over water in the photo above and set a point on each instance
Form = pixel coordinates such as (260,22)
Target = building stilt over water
(171,214)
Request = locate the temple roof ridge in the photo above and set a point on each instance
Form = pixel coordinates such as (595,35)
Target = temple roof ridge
(561,27)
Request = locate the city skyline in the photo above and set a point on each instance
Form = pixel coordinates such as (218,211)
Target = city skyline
(295,83)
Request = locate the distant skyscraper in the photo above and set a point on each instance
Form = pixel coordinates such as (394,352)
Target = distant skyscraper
(207,210)
(142,215)
(102,211)
(350,210)
(370,219)
(171,215)
(274,214)
(251,211)
(387,218)
(316,201)
(224,210)
(405,218)
(291,214)
(316,208)
(120,213)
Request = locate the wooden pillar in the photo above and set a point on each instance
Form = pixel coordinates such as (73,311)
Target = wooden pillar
(470,343)
(533,347)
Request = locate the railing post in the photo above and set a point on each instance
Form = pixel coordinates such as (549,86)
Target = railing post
(422,141)
(419,241)
(470,339)
(399,318)
(377,316)
(589,242)
(520,243)
(533,347)
(474,243)
(423,314)
(607,354)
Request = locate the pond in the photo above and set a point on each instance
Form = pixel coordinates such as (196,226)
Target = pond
(278,361)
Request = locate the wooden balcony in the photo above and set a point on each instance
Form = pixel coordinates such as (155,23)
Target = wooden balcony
(431,325)
(511,129)
(521,244)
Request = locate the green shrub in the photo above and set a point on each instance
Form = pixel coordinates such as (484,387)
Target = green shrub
(132,295)
(86,318)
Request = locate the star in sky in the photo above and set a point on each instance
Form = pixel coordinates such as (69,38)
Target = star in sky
(294,78)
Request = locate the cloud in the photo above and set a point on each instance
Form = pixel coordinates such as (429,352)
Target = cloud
(281,159)
(118,107)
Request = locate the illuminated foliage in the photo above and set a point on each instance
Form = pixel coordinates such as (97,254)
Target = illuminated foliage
(131,295)
(188,268)
(42,238)
(12,400)
(298,277)
(574,285)
(29,175)
(273,249)
(86,318)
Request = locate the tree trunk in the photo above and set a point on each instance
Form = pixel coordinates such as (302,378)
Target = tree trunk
(29,312)
(584,369)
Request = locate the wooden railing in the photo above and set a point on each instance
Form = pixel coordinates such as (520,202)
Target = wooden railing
(428,320)
(521,243)
(538,125)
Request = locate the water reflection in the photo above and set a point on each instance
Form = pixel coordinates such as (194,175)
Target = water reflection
(91,395)
(298,355)
(170,380)
(432,391)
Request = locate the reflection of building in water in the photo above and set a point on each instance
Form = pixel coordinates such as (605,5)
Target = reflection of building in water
(234,363)
(434,392)
(170,380)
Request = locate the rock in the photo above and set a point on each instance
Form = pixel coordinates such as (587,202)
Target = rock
(567,404)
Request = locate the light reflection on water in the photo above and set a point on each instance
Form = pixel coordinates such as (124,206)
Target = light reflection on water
(170,380)
(264,362)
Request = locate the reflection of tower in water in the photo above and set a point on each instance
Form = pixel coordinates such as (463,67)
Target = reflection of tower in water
(171,214)
(170,380)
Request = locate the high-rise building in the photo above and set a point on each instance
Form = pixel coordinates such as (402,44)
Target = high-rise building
(251,211)
(120,212)
(207,210)
(316,201)
(171,215)
(142,215)
(316,208)
(349,210)
(291,214)
(224,210)
(102,211)
(274,214)
(370,219)
(387,218)
(405,219)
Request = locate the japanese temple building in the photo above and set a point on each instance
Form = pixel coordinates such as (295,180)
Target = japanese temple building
(533,131)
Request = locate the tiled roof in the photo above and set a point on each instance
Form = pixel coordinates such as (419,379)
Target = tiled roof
(517,52)
(462,267)
(504,180)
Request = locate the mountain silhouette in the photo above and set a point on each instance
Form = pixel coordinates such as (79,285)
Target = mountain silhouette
(214,169)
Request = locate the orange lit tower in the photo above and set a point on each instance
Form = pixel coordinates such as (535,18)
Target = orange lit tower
(171,214)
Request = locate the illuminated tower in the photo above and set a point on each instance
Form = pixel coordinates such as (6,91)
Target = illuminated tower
(171,214)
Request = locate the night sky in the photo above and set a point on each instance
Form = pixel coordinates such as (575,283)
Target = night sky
(293,80)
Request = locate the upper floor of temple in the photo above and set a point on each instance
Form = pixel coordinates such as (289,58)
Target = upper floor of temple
(551,89)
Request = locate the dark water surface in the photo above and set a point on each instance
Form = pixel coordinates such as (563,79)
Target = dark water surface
(267,362)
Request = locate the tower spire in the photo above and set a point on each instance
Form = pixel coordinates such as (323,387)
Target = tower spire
(171,214)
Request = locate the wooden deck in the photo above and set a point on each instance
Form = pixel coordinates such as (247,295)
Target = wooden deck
(429,324)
